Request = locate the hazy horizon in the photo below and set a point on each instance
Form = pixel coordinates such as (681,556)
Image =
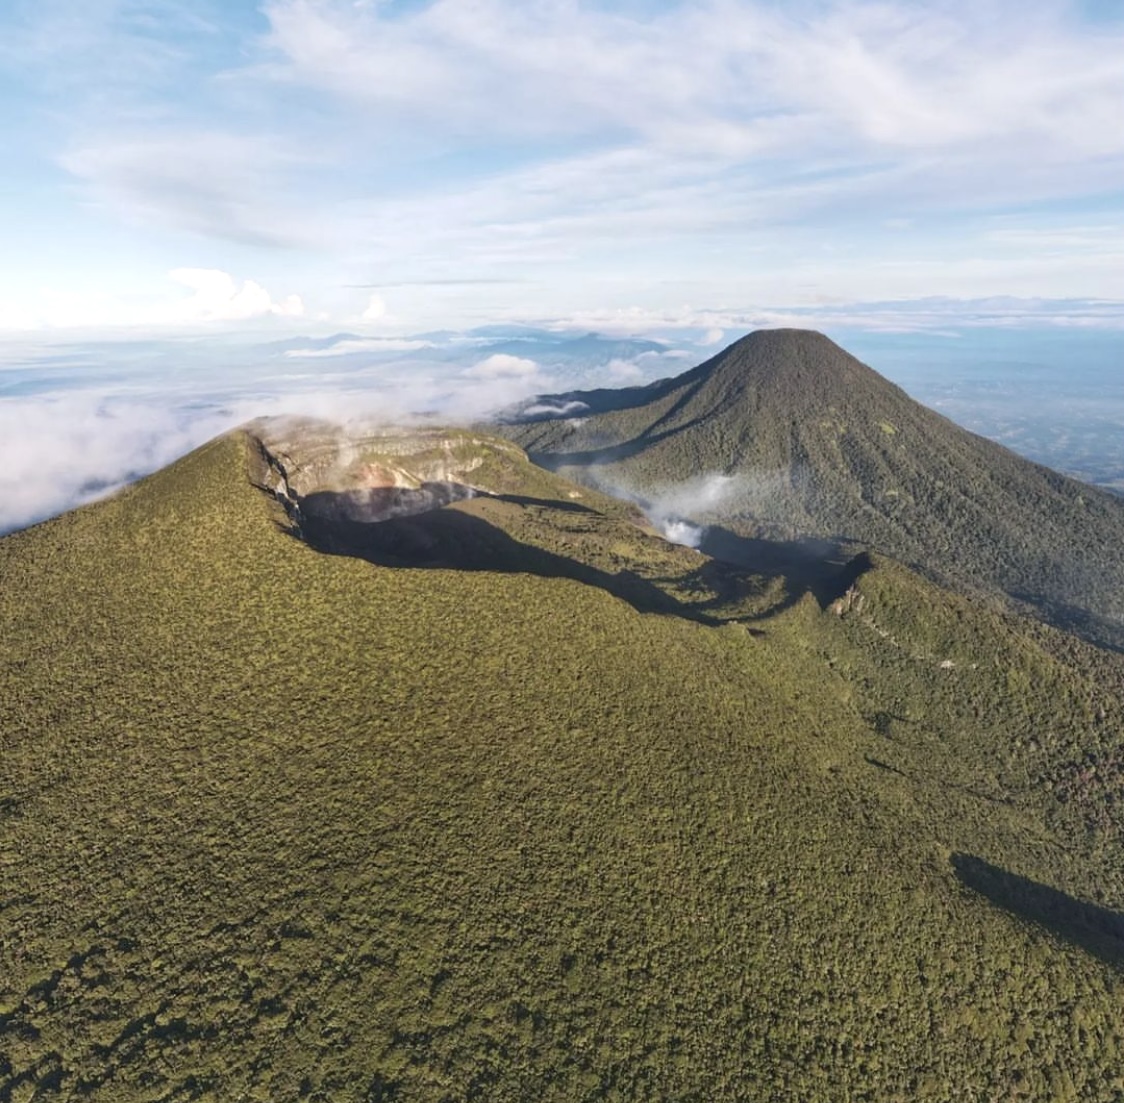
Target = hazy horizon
(78,420)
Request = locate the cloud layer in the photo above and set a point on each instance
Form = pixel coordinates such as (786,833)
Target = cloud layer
(447,162)
(77,419)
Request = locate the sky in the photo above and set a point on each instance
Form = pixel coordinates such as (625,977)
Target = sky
(186,180)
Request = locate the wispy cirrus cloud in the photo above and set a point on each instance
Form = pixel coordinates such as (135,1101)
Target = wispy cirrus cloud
(761,75)
(767,126)
(935,315)
(488,159)
(224,186)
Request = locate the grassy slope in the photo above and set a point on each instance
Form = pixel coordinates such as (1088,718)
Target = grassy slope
(825,446)
(280,825)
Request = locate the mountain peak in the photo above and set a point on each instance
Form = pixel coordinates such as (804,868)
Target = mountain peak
(787,338)
(796,366)
(820,445)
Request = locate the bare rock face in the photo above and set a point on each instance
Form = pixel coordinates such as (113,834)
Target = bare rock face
(324,474)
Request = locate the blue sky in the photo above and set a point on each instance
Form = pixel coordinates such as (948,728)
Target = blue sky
(402,165)
(211,209)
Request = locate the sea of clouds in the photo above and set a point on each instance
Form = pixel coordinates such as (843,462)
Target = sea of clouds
(80,419)
(78,422)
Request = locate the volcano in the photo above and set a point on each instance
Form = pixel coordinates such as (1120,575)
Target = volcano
(822,446)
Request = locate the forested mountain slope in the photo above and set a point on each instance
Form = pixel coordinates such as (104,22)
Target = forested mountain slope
(523,803)
(818,444)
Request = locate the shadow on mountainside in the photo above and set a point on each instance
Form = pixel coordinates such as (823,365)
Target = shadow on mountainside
(625,450)
(822,567)
(601,400)
(1104,632)
(1090,927)
(548,503)
(436,528)
(452,539)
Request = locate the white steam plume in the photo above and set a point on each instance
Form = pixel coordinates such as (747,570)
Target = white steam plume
(679,511)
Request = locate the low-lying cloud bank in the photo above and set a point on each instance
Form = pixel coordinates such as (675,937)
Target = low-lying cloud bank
(78,419)
(936,316)
(65,450)
(77,422)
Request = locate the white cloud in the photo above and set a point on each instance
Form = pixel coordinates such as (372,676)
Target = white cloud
(765,122)
(68,446)
(755,76)
(625,371)
(639,321)
(503,366)
(376,309)
(351,346)
(722,141)
(62,450)
(215,297)
(554,409)
(931,314)
(18,316)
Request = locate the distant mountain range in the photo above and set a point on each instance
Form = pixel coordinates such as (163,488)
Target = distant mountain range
(566,351)
(390,765)
(814,443)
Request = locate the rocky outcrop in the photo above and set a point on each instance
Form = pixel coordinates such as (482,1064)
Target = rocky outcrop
(325,474)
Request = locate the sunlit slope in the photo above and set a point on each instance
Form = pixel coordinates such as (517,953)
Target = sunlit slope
(822,445)
(284,825)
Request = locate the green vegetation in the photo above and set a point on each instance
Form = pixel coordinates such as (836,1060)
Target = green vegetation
(279,825)
(823,446)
